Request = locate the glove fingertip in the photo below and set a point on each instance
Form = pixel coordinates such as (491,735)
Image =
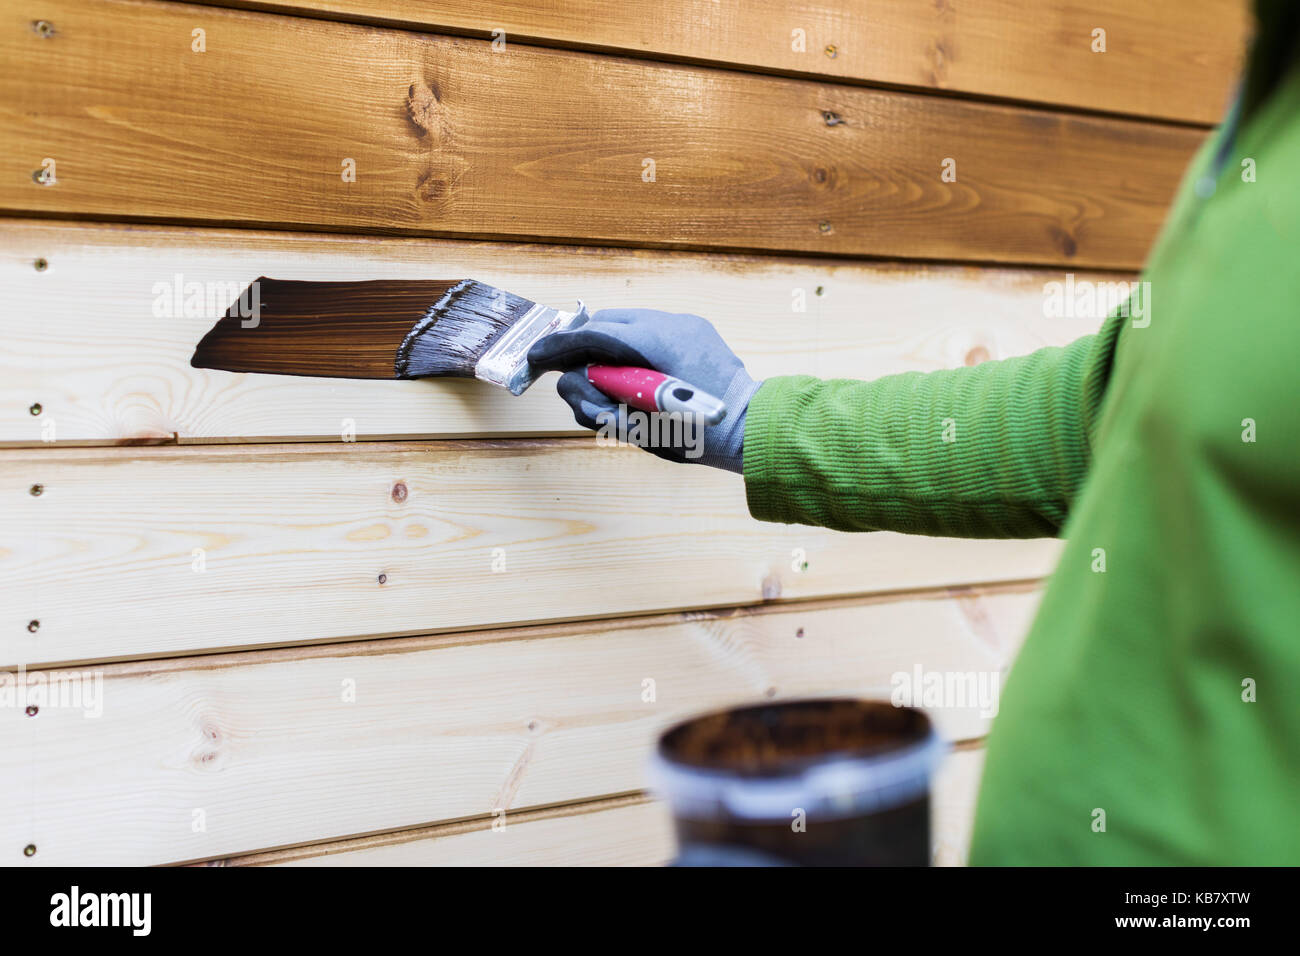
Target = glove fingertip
(586,401)
(572,382)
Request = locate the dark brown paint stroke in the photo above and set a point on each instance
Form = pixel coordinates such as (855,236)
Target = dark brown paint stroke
(334,329)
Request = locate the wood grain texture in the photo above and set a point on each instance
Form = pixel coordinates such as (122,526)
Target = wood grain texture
(101,338)
(270,750)
(334,328)
(448,137)
(952,808)
(625,831)
(131,553)
(1166,58)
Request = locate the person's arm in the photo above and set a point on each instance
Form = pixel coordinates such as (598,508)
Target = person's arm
(994,451)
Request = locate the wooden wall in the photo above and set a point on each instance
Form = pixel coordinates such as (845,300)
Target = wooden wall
(336,622)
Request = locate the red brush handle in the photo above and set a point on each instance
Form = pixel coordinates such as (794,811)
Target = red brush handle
(652,391)
(634,387)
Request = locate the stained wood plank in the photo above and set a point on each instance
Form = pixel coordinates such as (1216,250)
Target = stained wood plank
(1167,58)
(101,337)
(231,754)
(448,137)
(130,553)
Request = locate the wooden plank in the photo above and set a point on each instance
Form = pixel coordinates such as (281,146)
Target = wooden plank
(952,810)
(130,553)
(108,358)
(451,138)
(229,754)
(629,831)
(1166,58)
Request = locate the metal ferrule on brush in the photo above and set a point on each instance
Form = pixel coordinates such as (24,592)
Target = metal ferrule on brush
(505,363)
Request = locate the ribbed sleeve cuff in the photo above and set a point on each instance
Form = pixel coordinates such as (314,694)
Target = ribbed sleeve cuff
(764,453)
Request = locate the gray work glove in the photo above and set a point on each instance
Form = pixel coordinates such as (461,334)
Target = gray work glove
(685,346)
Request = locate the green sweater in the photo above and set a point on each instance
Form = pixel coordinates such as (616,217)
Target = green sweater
(1166,450)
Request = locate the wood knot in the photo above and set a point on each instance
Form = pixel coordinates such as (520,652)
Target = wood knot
(977,355)
(1066,242)
(423,108)
(209,755)
(432,188)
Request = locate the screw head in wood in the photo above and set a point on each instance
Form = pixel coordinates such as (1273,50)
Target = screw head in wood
(799,633)
(383,579)
(824,226)
(35,408)
(33,625)
(29,849)
(821,289)
(43,28)
(41,264)
(32,710)
(831,50)
(831,118)
(36,490)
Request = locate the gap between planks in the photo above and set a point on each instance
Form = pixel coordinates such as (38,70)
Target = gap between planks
(736,256)
(354,231)
(408,644)
(303,851)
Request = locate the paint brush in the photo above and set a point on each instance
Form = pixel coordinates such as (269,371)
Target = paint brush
(417,329)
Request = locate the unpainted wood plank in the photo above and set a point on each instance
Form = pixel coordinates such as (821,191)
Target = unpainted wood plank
(98,341)
(1173,59)
(234,754)
(150,552)
(630,831)
(296,122)
(954,798)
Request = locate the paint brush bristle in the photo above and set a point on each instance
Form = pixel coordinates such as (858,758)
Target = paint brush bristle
(458,329)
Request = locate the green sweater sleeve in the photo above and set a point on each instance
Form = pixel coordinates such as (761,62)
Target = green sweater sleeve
(998,450)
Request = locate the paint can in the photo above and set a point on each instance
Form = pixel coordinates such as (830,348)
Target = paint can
(822,782)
